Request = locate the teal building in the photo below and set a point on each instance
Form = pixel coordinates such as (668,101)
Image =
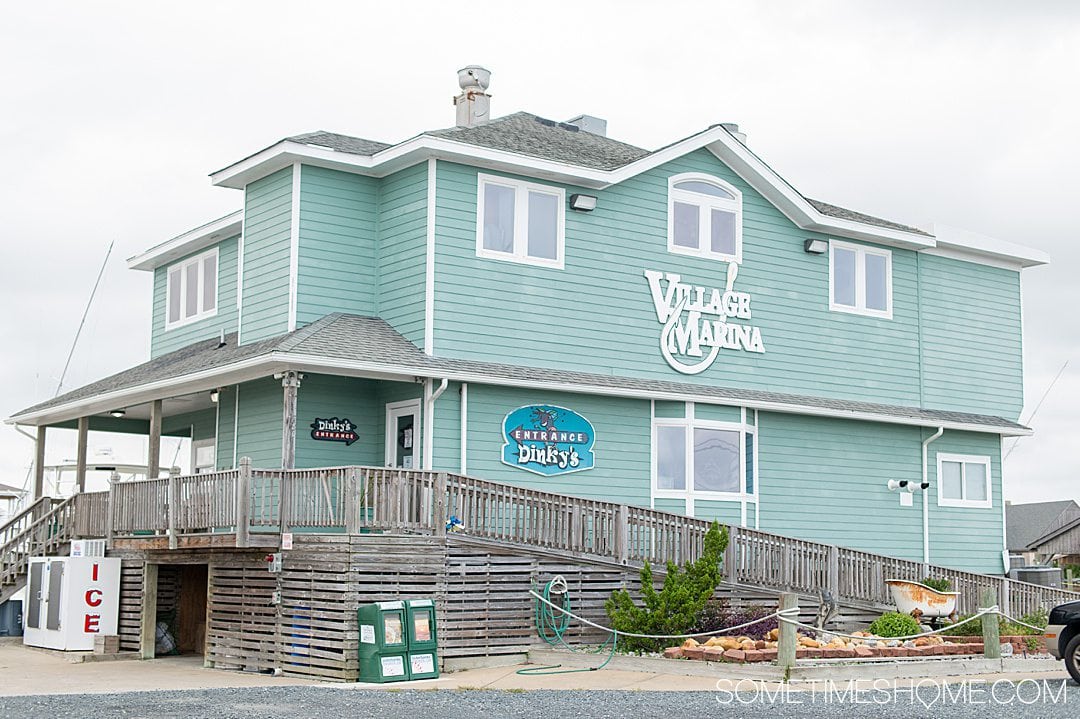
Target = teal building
(536,303)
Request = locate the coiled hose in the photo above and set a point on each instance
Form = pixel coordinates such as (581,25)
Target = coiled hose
(551,628)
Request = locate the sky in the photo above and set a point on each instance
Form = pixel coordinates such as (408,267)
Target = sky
(113,114)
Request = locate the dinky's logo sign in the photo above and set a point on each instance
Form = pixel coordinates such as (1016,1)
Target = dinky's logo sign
(698,320)
(548,440)
(334,430)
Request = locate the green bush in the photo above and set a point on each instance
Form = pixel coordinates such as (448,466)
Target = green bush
(895,624)
(940,585)
(1006,628)
(675,607)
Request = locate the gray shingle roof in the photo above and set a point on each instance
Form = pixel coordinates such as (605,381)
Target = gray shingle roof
(526,134)
(1025,523)
(371,340)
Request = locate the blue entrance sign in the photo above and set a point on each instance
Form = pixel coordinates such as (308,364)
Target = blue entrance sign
(548,440)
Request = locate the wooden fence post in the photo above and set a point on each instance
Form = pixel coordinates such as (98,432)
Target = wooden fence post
(439,517)
(352,501)
(174,502)
(622,534)
(991,638)
(148,613)
(833,571)
(243,502)
(786,569)
(110,509)
(731,555)
(785,648)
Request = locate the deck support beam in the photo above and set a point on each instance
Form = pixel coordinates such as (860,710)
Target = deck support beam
(80,457)
(290,383)
(148,615)
(153,456)
(39,463)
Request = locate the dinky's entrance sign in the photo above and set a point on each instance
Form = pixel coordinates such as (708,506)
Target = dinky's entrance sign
(697,320)
(548,440)
(334,430)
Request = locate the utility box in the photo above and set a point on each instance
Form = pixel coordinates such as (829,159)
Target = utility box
(383,645)
(422,638)
(11,619)
(398,641)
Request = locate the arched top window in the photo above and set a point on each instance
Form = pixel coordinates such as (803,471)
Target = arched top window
(704,217)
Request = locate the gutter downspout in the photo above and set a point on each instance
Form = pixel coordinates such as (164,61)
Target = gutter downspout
(926,497)
(429,420)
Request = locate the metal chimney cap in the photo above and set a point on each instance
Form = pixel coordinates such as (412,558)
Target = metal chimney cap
(474,77)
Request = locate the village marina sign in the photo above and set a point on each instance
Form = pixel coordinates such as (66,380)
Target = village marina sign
(697,321)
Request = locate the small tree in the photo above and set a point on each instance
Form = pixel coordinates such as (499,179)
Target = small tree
(674,609)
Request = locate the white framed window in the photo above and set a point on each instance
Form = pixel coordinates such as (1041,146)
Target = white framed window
(964,480)
(703,459)
(860,279)
(704,217)
(520,221)
(191,289)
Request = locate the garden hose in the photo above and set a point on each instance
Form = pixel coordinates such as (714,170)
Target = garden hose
(551,628)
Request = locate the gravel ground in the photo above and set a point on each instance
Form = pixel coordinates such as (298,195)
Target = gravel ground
(1038,701)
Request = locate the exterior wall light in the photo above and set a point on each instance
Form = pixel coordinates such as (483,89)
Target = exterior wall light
(816,247)
(118,413)
(215,394)
(901,484)
(583,203)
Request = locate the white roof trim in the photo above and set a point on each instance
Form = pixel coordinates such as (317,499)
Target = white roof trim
(974,247)
(718,140)
(264,365)
(191,241)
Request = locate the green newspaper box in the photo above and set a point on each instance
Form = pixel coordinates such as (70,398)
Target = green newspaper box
(383,642)
(423,639)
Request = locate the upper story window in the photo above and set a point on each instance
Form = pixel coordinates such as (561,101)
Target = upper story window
(520,221)
(964,481)
(191,292)
(704,217)
(860,279)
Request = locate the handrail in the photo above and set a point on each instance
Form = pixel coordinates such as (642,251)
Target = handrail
(27,516)
(354,498)
(43,536)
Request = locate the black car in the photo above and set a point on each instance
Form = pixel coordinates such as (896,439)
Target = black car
(1063,636)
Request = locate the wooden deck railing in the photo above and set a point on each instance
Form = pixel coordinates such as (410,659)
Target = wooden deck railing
(247,501)
(18,523)
(45,535)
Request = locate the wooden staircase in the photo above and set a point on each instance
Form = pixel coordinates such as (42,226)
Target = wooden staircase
(44,528)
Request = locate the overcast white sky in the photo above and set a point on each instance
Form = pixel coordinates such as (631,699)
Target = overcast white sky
(113,113)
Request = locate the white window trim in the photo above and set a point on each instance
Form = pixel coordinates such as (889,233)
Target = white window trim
(860,307)
(521,221)
(181,267)
(689,493)
(965,459)
(705,202)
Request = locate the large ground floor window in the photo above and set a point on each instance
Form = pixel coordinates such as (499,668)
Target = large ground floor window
(703,458)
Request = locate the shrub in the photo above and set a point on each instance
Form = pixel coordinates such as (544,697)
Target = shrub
(895,624)
(718,614)
(940,585)
(1037,618)
(675,608)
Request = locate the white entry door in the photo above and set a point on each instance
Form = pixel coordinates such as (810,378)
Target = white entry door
(402,434)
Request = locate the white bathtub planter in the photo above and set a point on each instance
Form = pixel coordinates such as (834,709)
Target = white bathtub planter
(921,601)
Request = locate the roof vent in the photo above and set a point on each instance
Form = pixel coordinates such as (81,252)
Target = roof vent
(588,123)
(734,130)
(473,104)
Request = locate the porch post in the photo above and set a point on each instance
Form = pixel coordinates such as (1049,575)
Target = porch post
(290,383)
(39,463)
(148,613)
(80,460)
(153,456)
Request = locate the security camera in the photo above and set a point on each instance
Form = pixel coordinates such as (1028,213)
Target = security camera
(895,485)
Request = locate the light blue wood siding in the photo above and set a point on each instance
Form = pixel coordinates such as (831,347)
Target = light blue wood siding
(337,246)
(259,422)
(622,443)
(266,247)
(403,251)
(163,341)
(349,398)
(964,537)
(597,315)
(201,424)
(971,338)
(226,439)
(446,449)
